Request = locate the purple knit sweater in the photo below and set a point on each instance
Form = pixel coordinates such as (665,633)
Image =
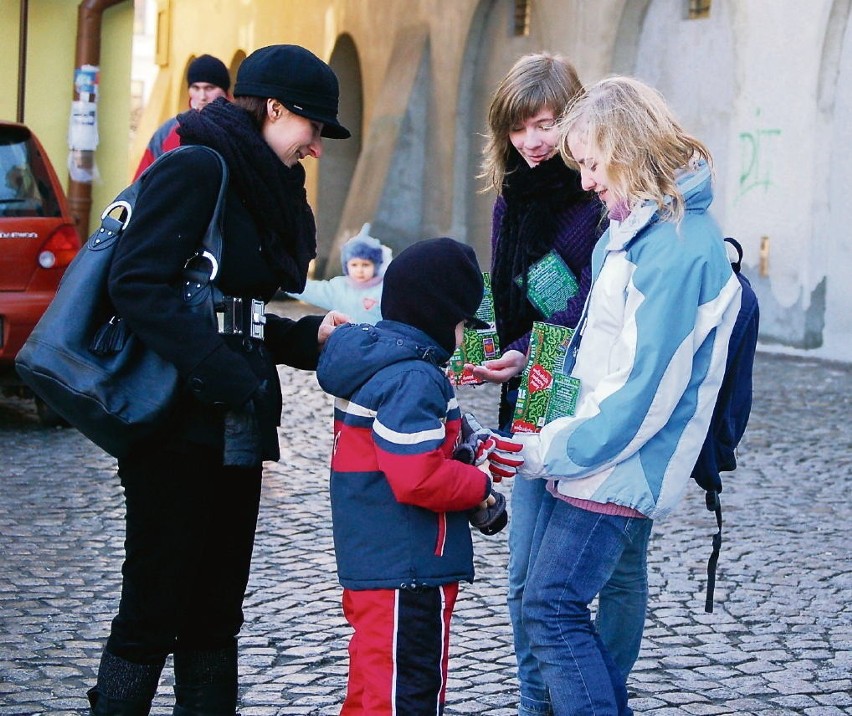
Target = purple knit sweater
(579,227)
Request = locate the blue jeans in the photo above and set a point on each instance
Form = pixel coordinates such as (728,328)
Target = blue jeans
(623,602)
(574,555)
(526,500)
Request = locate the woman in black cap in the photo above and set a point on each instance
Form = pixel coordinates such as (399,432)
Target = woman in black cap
(192,491)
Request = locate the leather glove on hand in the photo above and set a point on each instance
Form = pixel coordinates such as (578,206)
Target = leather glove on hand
(242,437)
(490,520)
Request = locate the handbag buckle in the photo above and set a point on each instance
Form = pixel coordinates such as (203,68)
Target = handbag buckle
(229,315)
(237,317)
(258,320)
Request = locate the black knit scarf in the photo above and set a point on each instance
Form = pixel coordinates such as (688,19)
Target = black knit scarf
(273,193)
(535,197)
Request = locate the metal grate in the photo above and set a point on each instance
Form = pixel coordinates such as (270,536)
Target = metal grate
(522,18)
(697,9)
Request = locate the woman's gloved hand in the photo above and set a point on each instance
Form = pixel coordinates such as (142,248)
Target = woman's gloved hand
(243,441)
(533,462)
(242,437)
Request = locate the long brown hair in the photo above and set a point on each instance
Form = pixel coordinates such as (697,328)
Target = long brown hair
(535,82)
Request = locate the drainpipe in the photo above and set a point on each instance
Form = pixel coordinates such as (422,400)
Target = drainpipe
(84,127)
(22,59)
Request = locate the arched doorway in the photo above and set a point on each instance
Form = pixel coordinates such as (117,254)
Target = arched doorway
(340,157)
(491,49)
(692,63)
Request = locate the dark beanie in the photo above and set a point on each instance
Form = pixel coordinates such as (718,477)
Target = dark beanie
(432,285)
(298,79)
(209,69)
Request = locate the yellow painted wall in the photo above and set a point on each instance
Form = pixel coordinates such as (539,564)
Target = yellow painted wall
(51,49)
(242,27)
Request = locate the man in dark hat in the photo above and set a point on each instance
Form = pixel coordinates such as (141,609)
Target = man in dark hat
(207,78)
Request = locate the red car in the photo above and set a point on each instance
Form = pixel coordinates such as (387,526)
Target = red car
(38,239)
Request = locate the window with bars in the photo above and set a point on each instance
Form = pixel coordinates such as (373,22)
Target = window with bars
(697,9)
(522,18)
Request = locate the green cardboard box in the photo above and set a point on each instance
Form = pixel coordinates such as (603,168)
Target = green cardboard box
(478,345)
(543,382)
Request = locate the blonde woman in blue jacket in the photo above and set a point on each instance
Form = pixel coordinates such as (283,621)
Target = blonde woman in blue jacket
(649,357)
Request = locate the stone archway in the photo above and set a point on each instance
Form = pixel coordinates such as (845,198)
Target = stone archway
(692,63)
(490,51)
(340,157)
(828,321)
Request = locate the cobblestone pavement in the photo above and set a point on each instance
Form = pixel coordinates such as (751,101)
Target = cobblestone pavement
(779,641)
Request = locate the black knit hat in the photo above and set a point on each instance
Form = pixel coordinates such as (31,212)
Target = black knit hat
(298,79)
(208,69)
(432,285)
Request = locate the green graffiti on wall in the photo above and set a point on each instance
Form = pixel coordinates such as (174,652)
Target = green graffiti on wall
(756,158)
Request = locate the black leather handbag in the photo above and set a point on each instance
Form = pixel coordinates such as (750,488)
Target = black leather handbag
(83,361)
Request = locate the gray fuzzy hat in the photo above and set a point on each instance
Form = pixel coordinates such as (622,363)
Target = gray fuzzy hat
(362,246)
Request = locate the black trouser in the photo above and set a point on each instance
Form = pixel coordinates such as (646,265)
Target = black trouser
(190,532)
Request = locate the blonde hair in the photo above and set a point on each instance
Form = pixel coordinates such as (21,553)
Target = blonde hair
(536,81)
(634,134)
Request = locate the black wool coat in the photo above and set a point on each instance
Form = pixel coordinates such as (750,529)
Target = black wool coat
(219,372)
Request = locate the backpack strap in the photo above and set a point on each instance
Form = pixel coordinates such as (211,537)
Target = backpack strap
(714,504)
(736,265)
(709,478)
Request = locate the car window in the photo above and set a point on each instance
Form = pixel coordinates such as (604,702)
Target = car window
(25,188)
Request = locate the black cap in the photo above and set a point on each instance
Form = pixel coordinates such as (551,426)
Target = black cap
(432,285)
(208,69)
(298,79)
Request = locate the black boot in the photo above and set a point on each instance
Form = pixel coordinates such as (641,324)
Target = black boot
(124,688)
(206,682)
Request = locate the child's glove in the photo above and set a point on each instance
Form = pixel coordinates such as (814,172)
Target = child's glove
(480,445)
(476,443)
(490,520)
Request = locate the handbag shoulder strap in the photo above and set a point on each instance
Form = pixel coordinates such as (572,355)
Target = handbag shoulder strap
(202,267)
(116,216)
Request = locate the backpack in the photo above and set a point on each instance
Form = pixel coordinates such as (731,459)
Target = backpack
(730,415)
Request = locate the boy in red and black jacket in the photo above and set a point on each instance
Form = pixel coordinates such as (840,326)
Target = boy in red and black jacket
(400,503)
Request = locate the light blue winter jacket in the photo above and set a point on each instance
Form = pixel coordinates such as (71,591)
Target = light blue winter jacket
(650,356)
(361,302)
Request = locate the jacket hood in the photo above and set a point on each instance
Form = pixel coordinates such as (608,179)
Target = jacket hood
(695,185)
(355,353)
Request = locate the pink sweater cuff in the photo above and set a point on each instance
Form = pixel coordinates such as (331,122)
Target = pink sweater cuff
(601,508)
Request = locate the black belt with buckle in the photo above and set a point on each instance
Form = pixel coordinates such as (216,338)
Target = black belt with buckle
(241,317)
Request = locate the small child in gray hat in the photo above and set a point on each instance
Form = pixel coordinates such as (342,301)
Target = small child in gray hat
(358,292)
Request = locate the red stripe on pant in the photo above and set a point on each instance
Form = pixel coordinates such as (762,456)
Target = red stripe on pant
(399,652)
